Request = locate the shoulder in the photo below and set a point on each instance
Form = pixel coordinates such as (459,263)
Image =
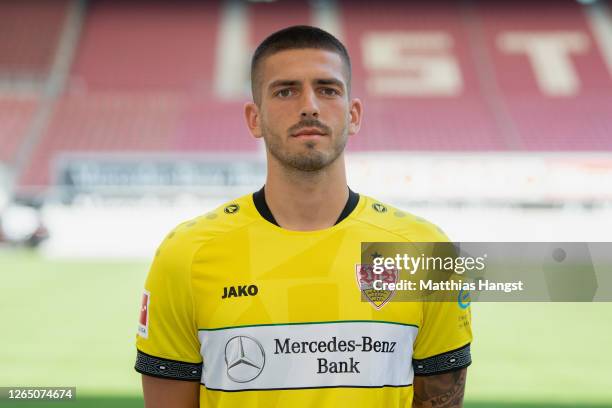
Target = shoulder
(402,223)
(189,236)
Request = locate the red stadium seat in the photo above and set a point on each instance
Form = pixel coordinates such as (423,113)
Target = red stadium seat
(29,31)
(16,113)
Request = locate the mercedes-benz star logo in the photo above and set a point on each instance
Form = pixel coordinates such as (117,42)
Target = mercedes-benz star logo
(244,358)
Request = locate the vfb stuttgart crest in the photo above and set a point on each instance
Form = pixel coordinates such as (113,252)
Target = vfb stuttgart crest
(365,280)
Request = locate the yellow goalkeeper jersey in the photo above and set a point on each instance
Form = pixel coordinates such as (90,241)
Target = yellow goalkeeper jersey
(263,316)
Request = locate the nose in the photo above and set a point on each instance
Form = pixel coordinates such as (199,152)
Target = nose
(310,106)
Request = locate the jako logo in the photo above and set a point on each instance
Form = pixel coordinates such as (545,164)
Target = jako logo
(237,291)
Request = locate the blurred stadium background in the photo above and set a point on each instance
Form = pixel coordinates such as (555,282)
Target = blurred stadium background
(118,120)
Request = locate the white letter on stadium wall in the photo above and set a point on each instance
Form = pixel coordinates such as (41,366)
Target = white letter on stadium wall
(232,63)
(407,63)
(550,57)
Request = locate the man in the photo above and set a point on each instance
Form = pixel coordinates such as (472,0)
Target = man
(256,303)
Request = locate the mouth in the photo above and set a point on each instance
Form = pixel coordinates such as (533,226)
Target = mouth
(309,132)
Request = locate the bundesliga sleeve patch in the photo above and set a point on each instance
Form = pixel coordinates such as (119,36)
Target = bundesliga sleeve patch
(143,322)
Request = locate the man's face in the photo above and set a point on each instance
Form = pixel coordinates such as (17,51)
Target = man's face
(304,115)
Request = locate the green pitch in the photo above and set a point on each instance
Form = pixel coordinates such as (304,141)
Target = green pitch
(73,323)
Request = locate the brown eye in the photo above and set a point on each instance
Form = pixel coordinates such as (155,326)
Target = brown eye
(285,93)
(330,92)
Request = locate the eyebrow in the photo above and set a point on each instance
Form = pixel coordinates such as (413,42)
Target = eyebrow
(321,81)
(283,82)
(330,81)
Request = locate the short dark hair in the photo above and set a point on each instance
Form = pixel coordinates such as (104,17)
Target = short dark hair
(296,37)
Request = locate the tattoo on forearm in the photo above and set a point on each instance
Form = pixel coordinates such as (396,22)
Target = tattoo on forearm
(440,391)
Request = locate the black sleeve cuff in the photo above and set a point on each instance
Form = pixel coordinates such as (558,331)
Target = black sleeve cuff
(169,369)
(443,363)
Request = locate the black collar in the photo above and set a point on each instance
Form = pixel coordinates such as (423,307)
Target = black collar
(259,199)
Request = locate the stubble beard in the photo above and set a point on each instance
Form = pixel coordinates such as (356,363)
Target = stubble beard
(311,160)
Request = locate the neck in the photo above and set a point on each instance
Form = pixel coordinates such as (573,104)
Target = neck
(306,201)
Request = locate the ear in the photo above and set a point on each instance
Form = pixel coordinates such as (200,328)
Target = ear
(355,112)
(251,114)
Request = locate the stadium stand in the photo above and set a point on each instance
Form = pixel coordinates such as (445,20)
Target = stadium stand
(434,76)
(15,115)
(265,18)
(573,122)
(157,46)
(413,121)
(29,31)
(132,123)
